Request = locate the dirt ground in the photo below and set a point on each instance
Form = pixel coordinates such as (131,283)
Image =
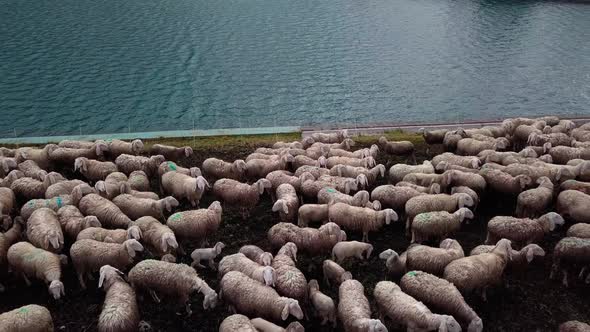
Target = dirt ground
(527,301)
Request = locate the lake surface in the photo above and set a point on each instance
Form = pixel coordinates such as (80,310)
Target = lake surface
(101,66)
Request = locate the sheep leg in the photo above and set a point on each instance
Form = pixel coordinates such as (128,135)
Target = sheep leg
(413,237)
(81,280)
(154,296)
(212,265)
(414,158)
(366,237)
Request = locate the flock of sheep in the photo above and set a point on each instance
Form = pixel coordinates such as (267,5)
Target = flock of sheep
(321,190)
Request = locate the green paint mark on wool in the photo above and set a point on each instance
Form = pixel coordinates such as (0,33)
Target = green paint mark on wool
(412,273)
(330,190)
(171,165)
(23,310)
(59,202)
(176,216)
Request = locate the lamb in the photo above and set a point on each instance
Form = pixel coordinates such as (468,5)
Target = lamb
(7,181)
(453,159)
(171,279)
(533,202)
(256,254)
(398,171)
(354,310)
(432,189)
(433,136)
(239,194)
(398,148)
(237,322)
(438,202)
(573,204)
(171,152)
(29,318)
(480,271)
(442,296)
(118,147)
(329,138)
(311,213)
(367,162)
(520,258)
(62,188)
(395,263)
(265,275)
(30,188)
(252,298)
(471,147)
(207,254)
(407,311)
(218,169)
(29,261)
(136,208)
(111,186)
(438,224)
(106,211)
(579,230)
(324,306)
(311,240)
(346,249)
(169,166)
(315,171)
(570,250)
(433,260)
(196,225)
(359,218)
(39,156)
(109,235)
(259,168)
(353,172)
(73,222)
(522,230)
(394,197)
(574,326)
(67,156)
(505,183)
(89,256)
(182,186)
(44,230)
(119,310)
(287,203)
(334,273)
(262,325)
(454,178)
(128,163)
(30,169)
(159,238)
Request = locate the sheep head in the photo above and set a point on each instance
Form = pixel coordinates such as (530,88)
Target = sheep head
(312,286)
(134,232)
(57,290)
(476,325)
(168,258)
(306,176)
(168,240)
(108,274)
(291,308)
(531,251)
(448,324)
(322,161)
(280,205)
(215,206)
(503,248)
(524,180)
(239,166)
(390,216)
(201,184)
(80,163)
(91,221)
(372,325)
(195,172)
(168,203)
(269,275)
(442,166)
(218,247)
(289,249)
(464,200)
(188,151)
(464,213)
(262,184)
(100,147)
(137,146)
(551,220)
(266,258)
(132,246)
(434,188)
(362,181)
(361,198)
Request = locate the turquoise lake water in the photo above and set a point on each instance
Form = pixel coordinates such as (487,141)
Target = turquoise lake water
(102,66)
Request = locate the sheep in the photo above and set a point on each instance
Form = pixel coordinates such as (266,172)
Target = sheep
(556,139)
(579,230)
(218,169)
(28,318)
(533,171)
(438,224)
(407,311)
(159,239)
(442,296)
(183,186)
(398,171)
(454,178)
(574,326)
(522,230)
(330,195)
(471,146)
(262,325)
(563,154)
(346,249)
(309,213)
(520,258)
(277,178)
(505,183)
(171,279)
(359,154)
(242,195)
(438,202)
(329,138)
(433,260)
(310,188)
(171,152)
(259,168)
(30,169)
(62,188)
(138,180)
(533,202)
(237,322)
(468,191)
(109,235)
(30,188)
(367,162)
(480,271)
(573,204)
(433,136)
(112,184)
(106,211)
(324,306)
(73,222)
(395,263)
(119,311)
(444,166)
(265,275)
(346,144)
(67,156)
(39,156)
(118,147)
(8,238)
(354,310)
(136,208)
(311,240)
(570,250)
(252,298)
(581,134)
(451,139)
(28,261)
(89,256)
(353,172)
(302,160)
(7,201)
(290,281)
(334,273)
(291,145)
(44,230)
(287,203)
(453,159)
(393,197)
(127,163)
(7,181)
(256,254)
(523,132)
(397,148)
(196,225)
(432,189)
(126,189)
(360,218)
(208,254)
(169,166)
(53,203)
(507,158)
(345,184)
(314,171)
(424,180)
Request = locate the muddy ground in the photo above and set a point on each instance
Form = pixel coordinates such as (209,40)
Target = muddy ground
(527,301)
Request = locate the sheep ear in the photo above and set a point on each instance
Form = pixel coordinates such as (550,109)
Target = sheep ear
(443,326)
(130,250)
(188,151)
(101,279)
(98,149)
(260,187)
(285,312)
(530,254)
(54,242)
(171,241)
(164,243)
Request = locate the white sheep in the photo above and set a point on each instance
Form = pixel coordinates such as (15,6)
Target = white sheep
(112,185)
(88,256)
(394,197)
(315,171)
(127,163)
(398,148)
(52,203)
(30,188)
(196,225)
(215,168)
(287,203)
(573,204)
(334,273)
(454,178)
(520,258)
(354,310)
(109,235)
(395,263)
(39,156)
(360,218)
(329,138)
(106,211)
(135,207)
(118,147)
(438,224)
(62,188)
(290,281)
(468,191)
(353,172)
(311,240)
(67,156)
(424,180)
(44,230)
(237,322)
(119,310)
(522,230)
(259,168)
(330,195)
(433,260)
(28,318)
(256,254)
(579,230)
(570,250)
(471,147)
(29,261)
(324,306)
(30,169)
(7,181)
(262,325)
(367,162)
(7,239)
(265,275)
(206,254)
(7,201)
(346,249)
(533,202)
(73,221)
(312,213)
(159,239)
(398,171)
(171,152)
(170,166)
(94,170)
(242,195)
(453,159)
(438,202)
(183,186)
